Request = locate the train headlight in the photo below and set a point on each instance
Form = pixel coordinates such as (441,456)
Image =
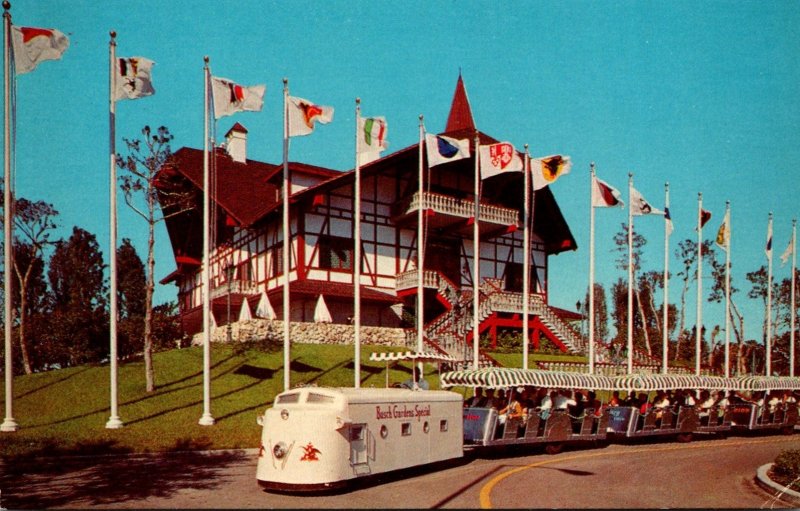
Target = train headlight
(284,414)
(279,451)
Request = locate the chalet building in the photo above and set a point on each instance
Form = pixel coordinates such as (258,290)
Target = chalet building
(246,261)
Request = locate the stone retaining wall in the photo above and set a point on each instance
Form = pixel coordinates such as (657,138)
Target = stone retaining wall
(303,333)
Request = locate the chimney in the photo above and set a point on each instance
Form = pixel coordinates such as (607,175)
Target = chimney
(237,143)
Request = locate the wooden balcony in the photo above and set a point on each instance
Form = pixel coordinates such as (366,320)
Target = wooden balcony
(234,287)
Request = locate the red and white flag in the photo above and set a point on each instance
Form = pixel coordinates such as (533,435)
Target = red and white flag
(303,114)
(499,158)
(604,195)
(133,78)
(32,45)
(230,97)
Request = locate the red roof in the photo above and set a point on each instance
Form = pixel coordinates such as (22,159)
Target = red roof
(246,191)
(460,117)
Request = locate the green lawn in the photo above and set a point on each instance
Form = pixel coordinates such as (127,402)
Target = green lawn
(65,411)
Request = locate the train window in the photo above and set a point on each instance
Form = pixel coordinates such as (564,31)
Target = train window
(289,398)
(443,425)
(405,429)
(384,431)
(426,427)
(319,398)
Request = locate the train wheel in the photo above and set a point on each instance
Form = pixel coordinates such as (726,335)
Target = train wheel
(787,430)
(553,448)
(684,437)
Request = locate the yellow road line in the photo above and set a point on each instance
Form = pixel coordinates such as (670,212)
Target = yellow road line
(486,490)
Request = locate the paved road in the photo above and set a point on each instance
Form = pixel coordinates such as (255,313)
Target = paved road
(701,474)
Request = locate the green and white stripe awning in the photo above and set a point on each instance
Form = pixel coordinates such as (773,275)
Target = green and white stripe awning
(417,356)
(501,377)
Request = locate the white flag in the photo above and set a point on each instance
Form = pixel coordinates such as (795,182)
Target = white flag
(546,170)
(499,158)
(639,206)
(371,139)
(303,114)
(604,195)
(787,253)
(230,97)
(133,78)
(31,45)
(445,149)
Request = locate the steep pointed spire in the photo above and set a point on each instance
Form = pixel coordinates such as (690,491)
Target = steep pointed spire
(460,117)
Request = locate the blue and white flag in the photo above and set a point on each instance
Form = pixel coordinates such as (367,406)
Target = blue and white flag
(445,149)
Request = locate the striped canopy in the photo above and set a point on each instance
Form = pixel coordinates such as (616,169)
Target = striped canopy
(648,382)
(418,356)
(767,383)
(499,377)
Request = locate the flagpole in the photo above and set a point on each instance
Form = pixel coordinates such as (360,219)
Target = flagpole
(114,421)
(592,178)
(793,306)
(420,243)
(665,322)
(768,339)
(286,240)
(357,259)
(526,251)
(9,424)
(630,273)
(476,257)
(699,323)
(206,419)
(728,232)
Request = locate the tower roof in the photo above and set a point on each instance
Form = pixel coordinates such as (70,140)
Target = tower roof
(460,117)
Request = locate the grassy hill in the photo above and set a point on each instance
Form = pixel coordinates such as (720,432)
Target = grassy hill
(65,411)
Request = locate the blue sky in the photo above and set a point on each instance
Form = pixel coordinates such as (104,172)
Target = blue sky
(701,94)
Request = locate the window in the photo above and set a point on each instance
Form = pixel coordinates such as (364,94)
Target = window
(335,253)
(319,398)
(289,398)
(405,429)
(514,277)
(277,260)
(443,426)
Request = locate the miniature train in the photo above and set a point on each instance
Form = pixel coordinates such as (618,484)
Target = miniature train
(320,438)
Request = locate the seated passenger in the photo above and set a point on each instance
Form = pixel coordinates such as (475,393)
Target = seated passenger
(547,405)
(706,403)
(512,411)
(501,400)
(491,400)
(576,410)
(772,402)
(643,403)
(723,401)
(594,403)
(660,402)
(615,399)
(478,400)
(564,400)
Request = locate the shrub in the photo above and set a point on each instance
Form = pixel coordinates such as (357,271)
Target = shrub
(786,469)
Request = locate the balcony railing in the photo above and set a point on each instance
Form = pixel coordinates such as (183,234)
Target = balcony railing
(235,287)
(462,208)
(408,280)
